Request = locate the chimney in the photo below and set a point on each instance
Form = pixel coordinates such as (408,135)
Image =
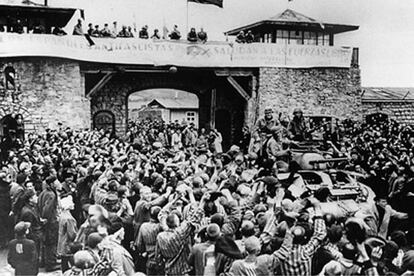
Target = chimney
(176,95)
(45,2)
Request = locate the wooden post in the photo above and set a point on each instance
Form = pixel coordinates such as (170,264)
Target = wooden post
(213,109)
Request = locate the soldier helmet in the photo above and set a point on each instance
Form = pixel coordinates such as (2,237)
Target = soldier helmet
(297,110)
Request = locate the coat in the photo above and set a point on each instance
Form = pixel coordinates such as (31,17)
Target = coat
(67,232)
(31,214)
(48,203)
(22,256)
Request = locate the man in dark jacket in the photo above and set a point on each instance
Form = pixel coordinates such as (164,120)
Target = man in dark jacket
(22,254)
(5,208)
(48,206)
(30,214)
(297,127)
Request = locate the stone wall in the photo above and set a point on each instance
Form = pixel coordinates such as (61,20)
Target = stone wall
(331,91)
(49,91)
(402,112)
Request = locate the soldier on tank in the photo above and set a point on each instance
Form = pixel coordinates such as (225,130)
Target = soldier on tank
(297,128)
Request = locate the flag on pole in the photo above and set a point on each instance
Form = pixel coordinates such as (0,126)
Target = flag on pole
(218,3)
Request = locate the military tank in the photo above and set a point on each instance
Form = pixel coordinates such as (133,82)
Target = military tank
(339,191)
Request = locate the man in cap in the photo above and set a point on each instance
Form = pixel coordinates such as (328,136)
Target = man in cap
(199,256)
(297,128)
(147,239)
(379,214)
(143,206)
(22,255)
(48,206)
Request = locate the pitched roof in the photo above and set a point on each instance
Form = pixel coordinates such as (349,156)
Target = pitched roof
(293,19)
(388,94)
(175,103)
(292,16)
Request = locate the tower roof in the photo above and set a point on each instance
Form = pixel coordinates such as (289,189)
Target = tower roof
(55,16)
(292,20)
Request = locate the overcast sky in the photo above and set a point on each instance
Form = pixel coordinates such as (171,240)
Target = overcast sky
(385,37)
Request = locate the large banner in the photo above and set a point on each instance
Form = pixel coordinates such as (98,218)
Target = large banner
(180,53)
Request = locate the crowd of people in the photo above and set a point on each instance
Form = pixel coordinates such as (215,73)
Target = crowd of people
(108,32)
(128,31)
(166,199)
(243,37)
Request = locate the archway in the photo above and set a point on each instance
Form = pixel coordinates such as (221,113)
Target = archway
(167,105)
(213,92)
(104,120)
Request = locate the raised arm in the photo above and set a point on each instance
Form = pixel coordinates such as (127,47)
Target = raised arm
(319,233)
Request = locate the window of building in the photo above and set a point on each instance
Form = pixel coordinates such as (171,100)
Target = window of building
(296,37)
(191,116)
(323,39)
(282,37)
(309,38)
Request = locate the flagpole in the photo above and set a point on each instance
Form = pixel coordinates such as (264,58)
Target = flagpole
(187,16)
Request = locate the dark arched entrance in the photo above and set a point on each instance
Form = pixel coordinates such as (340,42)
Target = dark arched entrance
(113,95)
(104,120)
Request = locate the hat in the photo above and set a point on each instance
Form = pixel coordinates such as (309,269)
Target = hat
(213,230)
(157,145)
(98,210)
(390,250)
(226,245)
(21,178)
(375,242)
(50,179)
(259,208)
(21,227)
(234,148)
(296,110)
(94,239)
(247,228)
(270,181)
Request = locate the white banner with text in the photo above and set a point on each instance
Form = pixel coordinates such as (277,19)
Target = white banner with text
(178,53)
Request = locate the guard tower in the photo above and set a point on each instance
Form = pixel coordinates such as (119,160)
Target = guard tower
(291,27)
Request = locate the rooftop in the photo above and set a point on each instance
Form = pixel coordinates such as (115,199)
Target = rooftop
(175,103)
(387,94)
(290,19)
(56,16)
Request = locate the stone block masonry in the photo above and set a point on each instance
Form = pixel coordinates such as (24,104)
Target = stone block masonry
(333,91)
(49,91)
